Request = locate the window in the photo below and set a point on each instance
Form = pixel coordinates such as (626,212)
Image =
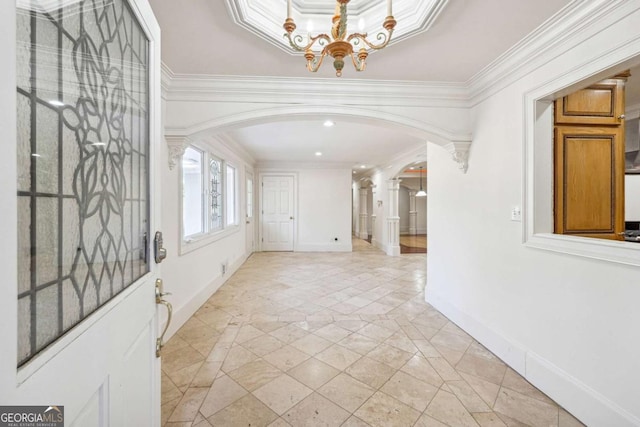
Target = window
(230,219)
(215,193)
(192,191)
(541,174)
(209,195)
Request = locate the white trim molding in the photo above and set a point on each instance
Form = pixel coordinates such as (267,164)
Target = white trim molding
(459,151)
(176,145)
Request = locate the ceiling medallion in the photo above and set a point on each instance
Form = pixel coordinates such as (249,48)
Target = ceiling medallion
(339,44)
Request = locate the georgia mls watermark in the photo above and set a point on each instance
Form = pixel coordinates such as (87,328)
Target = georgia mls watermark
(31,416)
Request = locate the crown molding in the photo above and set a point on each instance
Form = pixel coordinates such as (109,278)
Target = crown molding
(199,88)
(231,145)
(265,18)
(293,166)
(548,41)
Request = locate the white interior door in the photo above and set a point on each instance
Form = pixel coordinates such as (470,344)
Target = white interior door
(277,213)
(77,309)
(250,214)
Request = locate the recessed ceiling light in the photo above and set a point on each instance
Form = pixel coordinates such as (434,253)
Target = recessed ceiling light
(363,166)
(411,168)
(56,103)
(354,171)
(318,153)
(328,123)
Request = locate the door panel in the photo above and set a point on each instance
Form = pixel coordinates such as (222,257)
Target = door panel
(83,127)
(589,197)
(277,213)
(599,104)
(250,214)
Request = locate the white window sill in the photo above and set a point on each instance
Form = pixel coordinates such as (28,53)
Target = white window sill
(193,243)
(602,249)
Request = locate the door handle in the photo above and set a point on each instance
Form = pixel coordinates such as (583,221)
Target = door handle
(161,301)
(290,217)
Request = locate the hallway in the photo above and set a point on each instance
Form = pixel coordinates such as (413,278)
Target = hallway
(337,339)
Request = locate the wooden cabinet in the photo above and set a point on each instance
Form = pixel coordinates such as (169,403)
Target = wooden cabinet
(599,104)
(589,196)
(589,161)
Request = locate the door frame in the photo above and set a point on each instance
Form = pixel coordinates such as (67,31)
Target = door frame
(18,380)
(249,174)
(293,175)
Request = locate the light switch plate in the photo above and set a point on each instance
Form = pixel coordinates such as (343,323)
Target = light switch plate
(516,214)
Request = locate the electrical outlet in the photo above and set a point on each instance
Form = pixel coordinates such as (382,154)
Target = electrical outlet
(224,268)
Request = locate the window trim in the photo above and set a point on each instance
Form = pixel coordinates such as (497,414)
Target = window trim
(196,241)
(537,166)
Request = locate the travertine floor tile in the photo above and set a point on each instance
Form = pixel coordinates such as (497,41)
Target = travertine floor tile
(526,409)
(282,393)
(347,392)
(382,410)
(354,328)
(247,411)
(370,372)
(313,373)
(316,410)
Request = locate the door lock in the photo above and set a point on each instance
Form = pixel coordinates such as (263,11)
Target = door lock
(159,252)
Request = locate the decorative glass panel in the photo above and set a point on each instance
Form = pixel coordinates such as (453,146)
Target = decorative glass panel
(231,195)
(192,193)
(83,153)
(215,175)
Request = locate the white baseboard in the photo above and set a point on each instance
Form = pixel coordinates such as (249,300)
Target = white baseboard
(319,247)
(183,313)
(586,404)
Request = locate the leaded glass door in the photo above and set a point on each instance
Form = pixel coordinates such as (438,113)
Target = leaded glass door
(85,118)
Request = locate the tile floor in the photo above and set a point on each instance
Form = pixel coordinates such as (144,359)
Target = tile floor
(343,339)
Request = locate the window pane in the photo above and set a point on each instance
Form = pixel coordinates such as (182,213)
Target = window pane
(249,198)
(215,175)
(82,163)
(192,205)
(231,195)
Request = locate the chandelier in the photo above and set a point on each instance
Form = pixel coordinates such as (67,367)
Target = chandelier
(339,45)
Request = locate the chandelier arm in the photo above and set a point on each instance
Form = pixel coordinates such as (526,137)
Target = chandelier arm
(314,64)
(358,64)
(382,37)
(312,40)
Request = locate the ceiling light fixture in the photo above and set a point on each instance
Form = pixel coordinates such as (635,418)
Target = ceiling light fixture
(421,193)
(363,166)
(339,44)
(318,153)
(328,123)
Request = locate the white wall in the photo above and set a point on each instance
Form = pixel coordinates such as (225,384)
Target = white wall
(194,276)
(632,197)
(324,207)
(568,323)
(403,209)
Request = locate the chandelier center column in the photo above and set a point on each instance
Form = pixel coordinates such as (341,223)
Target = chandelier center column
(393,219)
(363,231)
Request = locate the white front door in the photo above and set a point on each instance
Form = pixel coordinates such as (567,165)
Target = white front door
(249,214)
(80,196)
(277,213)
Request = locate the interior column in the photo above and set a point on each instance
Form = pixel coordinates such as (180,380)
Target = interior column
(413,214)
(393,220)
(363,234)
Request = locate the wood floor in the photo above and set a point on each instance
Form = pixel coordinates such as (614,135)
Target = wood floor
(414,244)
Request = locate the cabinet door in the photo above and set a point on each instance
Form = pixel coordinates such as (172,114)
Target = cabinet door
(599,104)
(589,181)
